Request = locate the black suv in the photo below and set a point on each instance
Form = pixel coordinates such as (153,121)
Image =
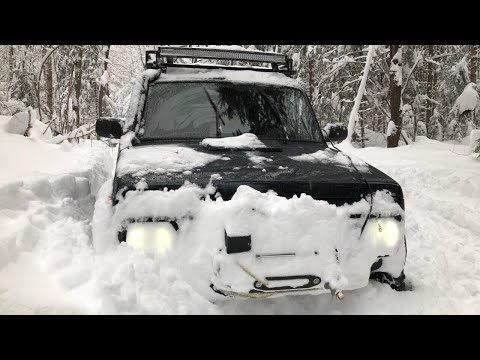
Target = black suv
(226,126)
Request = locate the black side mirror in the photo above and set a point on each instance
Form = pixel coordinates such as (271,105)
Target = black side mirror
(109,127)
(336,132)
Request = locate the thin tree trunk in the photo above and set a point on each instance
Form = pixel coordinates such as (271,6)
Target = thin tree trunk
(310,79)
(78,85)
(395,102)
(11,67)
(49,80)
(362,128)
(430,83)
(103,89)
(473,63)
(66,124)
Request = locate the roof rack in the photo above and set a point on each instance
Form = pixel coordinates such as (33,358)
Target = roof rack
(279,62)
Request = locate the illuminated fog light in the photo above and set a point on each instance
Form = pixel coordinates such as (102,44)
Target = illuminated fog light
(385,232)
(156,236)
(391,236)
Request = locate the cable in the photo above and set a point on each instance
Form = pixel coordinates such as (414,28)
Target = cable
(363,178)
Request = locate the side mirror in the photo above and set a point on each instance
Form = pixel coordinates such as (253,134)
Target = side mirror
(336,132)
(109,127)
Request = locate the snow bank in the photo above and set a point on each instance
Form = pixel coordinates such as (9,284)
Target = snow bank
(47,262)
(25,159)
(18,123)
(244,141)
(475,141)
(140,161)
(40,131)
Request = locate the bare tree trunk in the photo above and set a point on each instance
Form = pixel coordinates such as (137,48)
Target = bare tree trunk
(103,89)
(430,84)
(78,85)
(65,125)
(310,79)
(11,68)
(473,63)
(49,80)
(395,101)
(362,128)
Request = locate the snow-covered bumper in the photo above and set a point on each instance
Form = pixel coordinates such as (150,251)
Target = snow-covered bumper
(261,244)
(251,274)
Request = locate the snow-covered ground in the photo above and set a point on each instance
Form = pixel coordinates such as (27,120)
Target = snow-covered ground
(48,264)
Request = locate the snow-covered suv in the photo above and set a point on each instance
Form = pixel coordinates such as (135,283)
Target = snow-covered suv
(224,172)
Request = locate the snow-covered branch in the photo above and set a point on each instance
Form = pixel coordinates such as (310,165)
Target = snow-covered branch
(361,91)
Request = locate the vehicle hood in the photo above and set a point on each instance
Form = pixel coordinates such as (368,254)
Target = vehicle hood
(295,168)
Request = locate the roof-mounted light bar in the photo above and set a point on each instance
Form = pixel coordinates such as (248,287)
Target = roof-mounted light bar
(279,62)
(222,54)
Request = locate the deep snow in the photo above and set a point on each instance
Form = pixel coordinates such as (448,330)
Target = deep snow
(48,263)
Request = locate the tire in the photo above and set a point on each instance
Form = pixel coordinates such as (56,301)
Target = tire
(397,284)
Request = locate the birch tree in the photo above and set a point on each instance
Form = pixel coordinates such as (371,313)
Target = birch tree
(395,125)
(361,91)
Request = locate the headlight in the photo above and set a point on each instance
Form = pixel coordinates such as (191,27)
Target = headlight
(156,236)
(385,232)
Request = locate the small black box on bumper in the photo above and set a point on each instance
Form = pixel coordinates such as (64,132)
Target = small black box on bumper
(237,244)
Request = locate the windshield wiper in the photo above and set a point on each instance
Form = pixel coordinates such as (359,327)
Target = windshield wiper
(217,113)
(275,112)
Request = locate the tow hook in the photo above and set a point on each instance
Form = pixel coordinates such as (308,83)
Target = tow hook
(258,281)
(338,293)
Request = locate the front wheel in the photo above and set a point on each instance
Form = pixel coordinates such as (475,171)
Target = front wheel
(397,284)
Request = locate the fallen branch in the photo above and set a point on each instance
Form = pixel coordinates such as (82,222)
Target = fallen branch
(80,132)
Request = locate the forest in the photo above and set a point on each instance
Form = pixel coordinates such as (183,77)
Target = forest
(411,90)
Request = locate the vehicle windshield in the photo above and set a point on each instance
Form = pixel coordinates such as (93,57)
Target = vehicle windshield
(183,110)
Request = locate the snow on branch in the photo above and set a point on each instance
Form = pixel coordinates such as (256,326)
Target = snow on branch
(79,132)
(112,104)
(419,57)
(468,100)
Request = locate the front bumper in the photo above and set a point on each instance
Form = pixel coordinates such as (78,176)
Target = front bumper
(249,276)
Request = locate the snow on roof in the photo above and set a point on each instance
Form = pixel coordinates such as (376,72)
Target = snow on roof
(244,76)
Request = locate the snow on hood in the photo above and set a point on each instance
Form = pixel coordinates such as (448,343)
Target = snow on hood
(325,156)
(140,161)
(244,141)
